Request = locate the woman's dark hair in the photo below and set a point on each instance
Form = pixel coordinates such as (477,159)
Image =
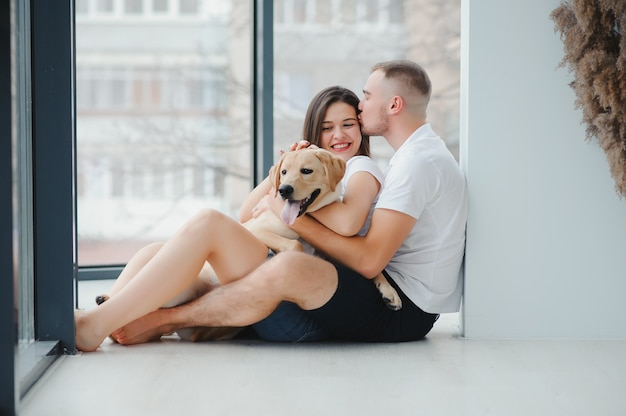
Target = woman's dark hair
(312,129)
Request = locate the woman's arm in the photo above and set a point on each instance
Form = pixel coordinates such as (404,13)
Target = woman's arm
(253,198)
(347,217)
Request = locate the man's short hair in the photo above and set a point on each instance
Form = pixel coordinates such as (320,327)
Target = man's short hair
(408,73)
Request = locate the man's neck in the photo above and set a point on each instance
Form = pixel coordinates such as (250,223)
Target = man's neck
(397,137)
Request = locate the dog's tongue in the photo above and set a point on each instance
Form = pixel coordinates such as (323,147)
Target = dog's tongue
(290,212)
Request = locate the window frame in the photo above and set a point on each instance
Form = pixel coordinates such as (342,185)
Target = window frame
(54,144)
(8,397)
(48,29)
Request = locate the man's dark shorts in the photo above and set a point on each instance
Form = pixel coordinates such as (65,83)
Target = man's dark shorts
(356,312)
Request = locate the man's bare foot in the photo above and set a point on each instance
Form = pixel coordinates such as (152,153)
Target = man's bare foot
(87,339)
(142,330)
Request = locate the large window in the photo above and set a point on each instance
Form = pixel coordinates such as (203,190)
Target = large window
(163,99)
(163,119)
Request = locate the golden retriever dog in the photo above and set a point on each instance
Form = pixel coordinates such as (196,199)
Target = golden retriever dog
(307,180)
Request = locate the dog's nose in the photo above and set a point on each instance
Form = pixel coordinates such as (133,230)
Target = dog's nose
(285,191)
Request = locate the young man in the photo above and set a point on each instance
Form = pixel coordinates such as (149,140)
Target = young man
(416,237)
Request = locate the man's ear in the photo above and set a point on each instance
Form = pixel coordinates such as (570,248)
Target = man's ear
(396,104)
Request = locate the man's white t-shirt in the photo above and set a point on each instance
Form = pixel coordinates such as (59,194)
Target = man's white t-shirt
(424,180)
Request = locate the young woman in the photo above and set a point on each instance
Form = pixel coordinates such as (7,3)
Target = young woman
(159,272)
(331,121)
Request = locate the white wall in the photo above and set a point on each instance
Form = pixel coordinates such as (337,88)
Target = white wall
(546,238)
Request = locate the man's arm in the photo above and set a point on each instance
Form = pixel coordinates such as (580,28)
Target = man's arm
(367,255)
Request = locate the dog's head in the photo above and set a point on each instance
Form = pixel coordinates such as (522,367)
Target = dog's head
(307,179)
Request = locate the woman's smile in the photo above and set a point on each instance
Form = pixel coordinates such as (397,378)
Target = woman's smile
(341,147)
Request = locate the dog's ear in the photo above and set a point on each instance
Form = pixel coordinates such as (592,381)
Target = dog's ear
(274,175)
(334,167)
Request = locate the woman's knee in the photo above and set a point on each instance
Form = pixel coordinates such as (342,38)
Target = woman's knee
(207,220)
(209,215)
(153,247)
(149,250)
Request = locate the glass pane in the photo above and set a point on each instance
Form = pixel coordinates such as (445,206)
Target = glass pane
(336,43)
(189,6)
(133,6)
(159,5)
(22,170)
(163,121)
(104,6)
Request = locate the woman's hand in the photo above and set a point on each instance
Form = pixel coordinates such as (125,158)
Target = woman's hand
(299,145)
(262,205)
(269,202)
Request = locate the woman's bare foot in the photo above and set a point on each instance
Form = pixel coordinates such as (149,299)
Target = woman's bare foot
(87,339)
(100,299)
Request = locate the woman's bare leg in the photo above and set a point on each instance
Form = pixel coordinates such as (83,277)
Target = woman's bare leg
(205,281)
(134,265)
(209,236)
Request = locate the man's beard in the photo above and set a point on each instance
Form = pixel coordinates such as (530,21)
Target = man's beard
(381,126)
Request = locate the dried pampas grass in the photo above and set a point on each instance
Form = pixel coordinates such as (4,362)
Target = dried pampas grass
(594,40)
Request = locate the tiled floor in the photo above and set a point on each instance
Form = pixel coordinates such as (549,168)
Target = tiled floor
(442,375)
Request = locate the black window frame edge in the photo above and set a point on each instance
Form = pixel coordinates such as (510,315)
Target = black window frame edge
(8,390)
(54,145)
(53,142)
(262,89)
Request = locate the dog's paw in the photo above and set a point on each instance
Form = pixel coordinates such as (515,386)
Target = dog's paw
(389,294)
(394,302)
(100,299)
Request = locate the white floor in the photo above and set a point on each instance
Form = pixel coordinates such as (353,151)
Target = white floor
(442,375)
